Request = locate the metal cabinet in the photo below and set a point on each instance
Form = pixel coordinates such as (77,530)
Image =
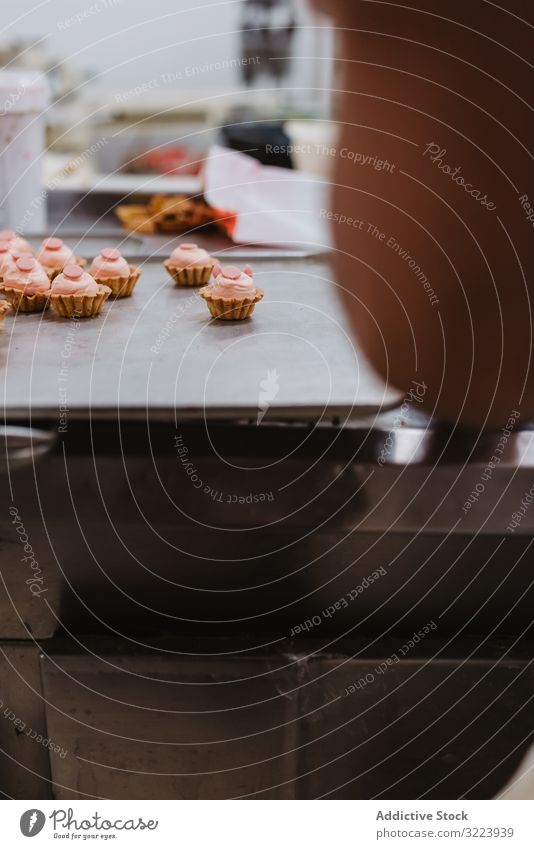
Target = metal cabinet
(213,725)
(24,741)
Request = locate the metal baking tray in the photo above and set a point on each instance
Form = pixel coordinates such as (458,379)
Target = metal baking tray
(158,354)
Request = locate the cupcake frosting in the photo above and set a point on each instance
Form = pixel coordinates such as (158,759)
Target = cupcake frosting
(54,253)
(74,281)
(6,259)
(27,276)
(17,252)
(109,264)
(15,241)
(188,254)
(230,282)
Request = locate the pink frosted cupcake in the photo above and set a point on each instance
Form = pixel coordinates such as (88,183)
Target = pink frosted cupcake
(54,256)
(190,265)
(233,293)
(26,285)
(111,269)
(15,241)
(7,261)
(76,293)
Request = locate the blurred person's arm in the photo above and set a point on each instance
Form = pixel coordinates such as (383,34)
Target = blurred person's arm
(438,269)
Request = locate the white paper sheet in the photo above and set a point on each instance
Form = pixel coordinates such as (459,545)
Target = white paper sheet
(275,206)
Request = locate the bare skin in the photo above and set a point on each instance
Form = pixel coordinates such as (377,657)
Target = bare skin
(437,266)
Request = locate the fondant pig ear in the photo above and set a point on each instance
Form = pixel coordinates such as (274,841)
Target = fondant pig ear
(216,270)
(248,270)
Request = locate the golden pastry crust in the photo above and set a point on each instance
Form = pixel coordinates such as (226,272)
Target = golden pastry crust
(25,303)
(80,306)
(5,307)
(193,275)
(230,309)
(121,287)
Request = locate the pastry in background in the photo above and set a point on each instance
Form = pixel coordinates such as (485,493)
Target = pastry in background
(233,294)
(189,265)
(76,294)
(111,269)
(168,214)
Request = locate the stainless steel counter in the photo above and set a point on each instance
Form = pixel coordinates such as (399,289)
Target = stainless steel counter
(158,354)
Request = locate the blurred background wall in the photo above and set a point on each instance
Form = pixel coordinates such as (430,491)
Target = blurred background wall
(164,77)
(124,43)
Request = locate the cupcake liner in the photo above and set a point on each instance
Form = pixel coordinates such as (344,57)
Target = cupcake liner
(121,287)
(230,309)
(81,306)
(193,275)
(53,272)
(26,303)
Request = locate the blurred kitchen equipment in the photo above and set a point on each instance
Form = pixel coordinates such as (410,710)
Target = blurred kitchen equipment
(266,141)
(267,27)
(23,98)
